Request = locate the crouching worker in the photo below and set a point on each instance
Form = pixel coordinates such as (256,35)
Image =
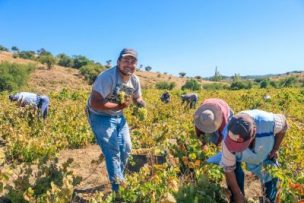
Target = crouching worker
(190,99)
(254,137)
(38,102)
(105,113)
(165,97)
(210,120)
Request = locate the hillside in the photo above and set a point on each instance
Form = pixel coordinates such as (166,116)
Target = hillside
(43,80)
(56,79)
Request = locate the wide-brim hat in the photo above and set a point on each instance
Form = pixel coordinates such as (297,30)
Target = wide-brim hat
(208,117)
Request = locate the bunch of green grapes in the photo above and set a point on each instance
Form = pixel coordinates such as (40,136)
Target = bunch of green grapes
(121,97)
(140,113)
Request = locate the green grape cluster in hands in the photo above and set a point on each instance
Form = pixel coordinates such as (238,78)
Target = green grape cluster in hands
(121,97)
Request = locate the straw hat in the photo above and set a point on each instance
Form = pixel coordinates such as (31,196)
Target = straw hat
(208,117)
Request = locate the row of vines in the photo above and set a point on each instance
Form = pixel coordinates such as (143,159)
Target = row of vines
(29,169)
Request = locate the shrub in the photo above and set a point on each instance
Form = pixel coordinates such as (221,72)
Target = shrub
(148,68)
(192,85)
(215,86)
(274,84)
(238,85)
(64,60)
(2,48)
(26,55)
(13,76)
(47,59)
(165,85)
(264,83)
(91,71)
(288,82)
(182,74)
(80,61)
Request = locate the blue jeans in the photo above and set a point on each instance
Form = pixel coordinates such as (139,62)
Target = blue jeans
(270,186)
(43,106)
(113,137)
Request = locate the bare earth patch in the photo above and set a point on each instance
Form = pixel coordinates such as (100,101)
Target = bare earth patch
(89,164)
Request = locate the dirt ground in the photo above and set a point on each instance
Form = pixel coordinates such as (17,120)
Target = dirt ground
(89,164)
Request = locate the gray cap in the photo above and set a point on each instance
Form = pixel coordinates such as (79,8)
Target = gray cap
(127,52)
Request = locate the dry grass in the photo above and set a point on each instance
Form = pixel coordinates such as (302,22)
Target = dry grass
(43,80)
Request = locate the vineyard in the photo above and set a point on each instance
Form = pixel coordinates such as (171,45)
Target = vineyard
(29,149)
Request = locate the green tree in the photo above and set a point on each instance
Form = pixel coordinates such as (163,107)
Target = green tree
(2,48)
(191,84)
(164,85)
(27,55)
(236,77)
(47,59)
(13,76)
(79,61)
(289,82)
(264,83)
(217,76)
(182,74)
(15,49)
(198,77)
(42,51)
(91,71)
(64,60)
(237,85)
(108,64)
(148,68)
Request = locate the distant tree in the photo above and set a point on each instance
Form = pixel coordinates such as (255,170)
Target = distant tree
(79,61)
(42,51)
(249,85)
(148,68)
(215,86)
(91,71)
(274,84)
(264,83)
(198,77)
(64,60)
(217,76)
(289,82)
(182,74)
(13,75)
(47,59)
(236,77)
(15,49)
(108,64)
(192,85)
(164,85)
(237,85)
(2,48)
(27,55)
(258,80)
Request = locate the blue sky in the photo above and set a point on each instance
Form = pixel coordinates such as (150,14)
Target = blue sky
(249,37)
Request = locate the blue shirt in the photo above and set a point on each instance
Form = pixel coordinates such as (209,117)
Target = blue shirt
(27,98)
